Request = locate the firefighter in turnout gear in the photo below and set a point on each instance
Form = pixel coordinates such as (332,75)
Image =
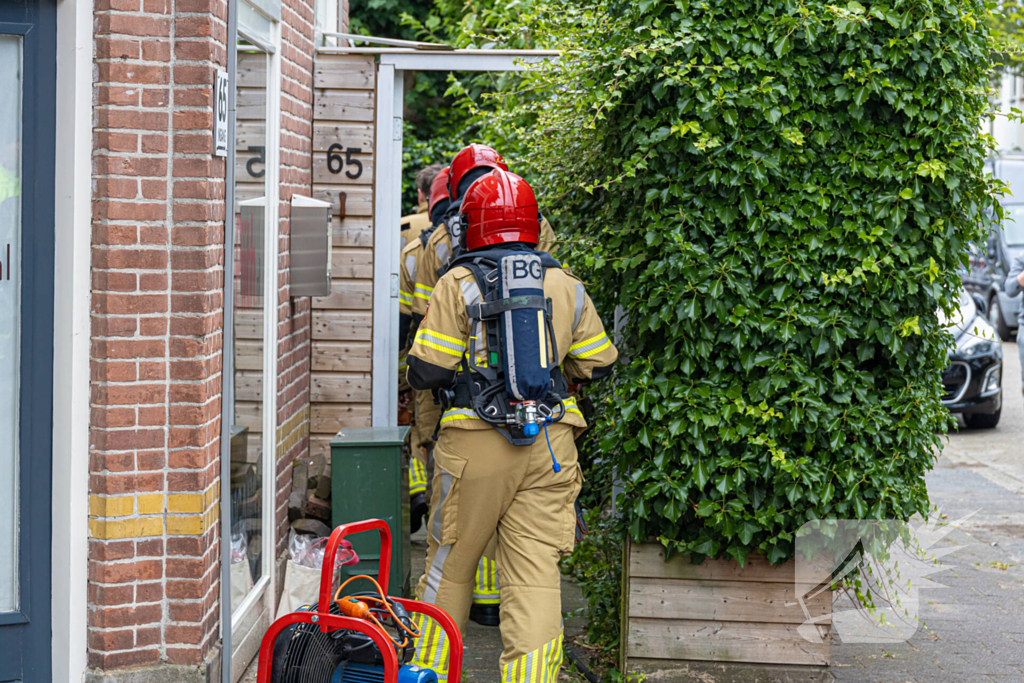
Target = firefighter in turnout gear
(469,164)
(486,596)
(411,227)
(427,412)
(414,224)
(505,331)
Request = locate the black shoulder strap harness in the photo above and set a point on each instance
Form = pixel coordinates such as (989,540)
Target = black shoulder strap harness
(425,235)
(482,387)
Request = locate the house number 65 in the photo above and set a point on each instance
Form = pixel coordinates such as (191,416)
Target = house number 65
(335,162)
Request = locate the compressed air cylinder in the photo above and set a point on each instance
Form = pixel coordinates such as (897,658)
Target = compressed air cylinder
(526,359)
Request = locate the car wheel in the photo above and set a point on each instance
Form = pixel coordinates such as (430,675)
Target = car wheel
(995,316)
(983,420)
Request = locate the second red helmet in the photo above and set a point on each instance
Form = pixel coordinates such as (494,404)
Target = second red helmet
(438,189)
(499,207)
(470,157)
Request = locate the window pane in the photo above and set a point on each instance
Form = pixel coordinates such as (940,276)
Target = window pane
(10,311)
(255,24)
(1013,226)
(247,444)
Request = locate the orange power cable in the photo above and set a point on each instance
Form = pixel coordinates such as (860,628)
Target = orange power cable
(355,607)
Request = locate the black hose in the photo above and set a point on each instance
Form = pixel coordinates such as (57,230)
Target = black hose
(580,666)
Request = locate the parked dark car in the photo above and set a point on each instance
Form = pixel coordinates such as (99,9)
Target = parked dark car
(990,262)
(989,266)
(973,381)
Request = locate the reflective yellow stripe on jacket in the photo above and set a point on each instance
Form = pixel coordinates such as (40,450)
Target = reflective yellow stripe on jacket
(440,342)
(588,347)
(570,406)
(423,292)
(455,414)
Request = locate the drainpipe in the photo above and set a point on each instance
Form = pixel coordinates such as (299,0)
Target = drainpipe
(228,353)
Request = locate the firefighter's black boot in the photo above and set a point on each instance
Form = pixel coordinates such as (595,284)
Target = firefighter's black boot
(417,511)
(485,615)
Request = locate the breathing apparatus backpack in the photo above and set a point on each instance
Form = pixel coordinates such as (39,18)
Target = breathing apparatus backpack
(518,388)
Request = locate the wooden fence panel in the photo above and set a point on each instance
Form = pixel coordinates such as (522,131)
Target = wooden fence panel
(719,614)
(343,124)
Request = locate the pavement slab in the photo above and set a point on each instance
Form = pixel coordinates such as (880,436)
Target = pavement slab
(973,616)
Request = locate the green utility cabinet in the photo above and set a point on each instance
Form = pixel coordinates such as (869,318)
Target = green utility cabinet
(370,480)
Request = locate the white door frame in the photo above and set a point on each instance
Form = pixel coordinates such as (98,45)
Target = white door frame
(264,590)
(71,340)
(387,192)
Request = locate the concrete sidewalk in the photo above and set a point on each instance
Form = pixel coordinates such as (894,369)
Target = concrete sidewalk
(973,627)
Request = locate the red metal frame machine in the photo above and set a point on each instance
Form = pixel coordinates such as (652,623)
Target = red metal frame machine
(321,645)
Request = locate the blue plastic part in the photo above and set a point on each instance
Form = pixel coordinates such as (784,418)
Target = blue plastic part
(531,429)
(416,674)
(554,463)
(352,672)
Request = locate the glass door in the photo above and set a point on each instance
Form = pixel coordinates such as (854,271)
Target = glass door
(11,59)
(27,129)
(253,322)
(247,451)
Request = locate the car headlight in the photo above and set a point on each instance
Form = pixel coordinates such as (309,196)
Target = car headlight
(979,339)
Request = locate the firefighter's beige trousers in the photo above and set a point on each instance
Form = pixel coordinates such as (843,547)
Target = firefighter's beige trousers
(482,484)
(428,413)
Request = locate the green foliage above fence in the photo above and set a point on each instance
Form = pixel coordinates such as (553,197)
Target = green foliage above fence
(780,195)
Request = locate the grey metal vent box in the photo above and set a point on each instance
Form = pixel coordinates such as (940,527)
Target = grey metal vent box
(311,247)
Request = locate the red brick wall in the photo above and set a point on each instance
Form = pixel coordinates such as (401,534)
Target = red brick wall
(294,315)
(157,323)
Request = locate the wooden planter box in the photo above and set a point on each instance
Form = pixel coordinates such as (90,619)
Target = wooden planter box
(718,621)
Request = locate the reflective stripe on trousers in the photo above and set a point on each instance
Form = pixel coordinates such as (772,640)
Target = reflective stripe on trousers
(431,647)
(485,587)
(539,666)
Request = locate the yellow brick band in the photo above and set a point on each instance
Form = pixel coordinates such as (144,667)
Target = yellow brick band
(192,525)
(185,526)
(193,502)
(151,504)
(185,502)
(121,506)
(128,528)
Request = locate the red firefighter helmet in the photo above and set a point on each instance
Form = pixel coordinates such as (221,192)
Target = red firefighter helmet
(499,207)
(468,158)
(438,189)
